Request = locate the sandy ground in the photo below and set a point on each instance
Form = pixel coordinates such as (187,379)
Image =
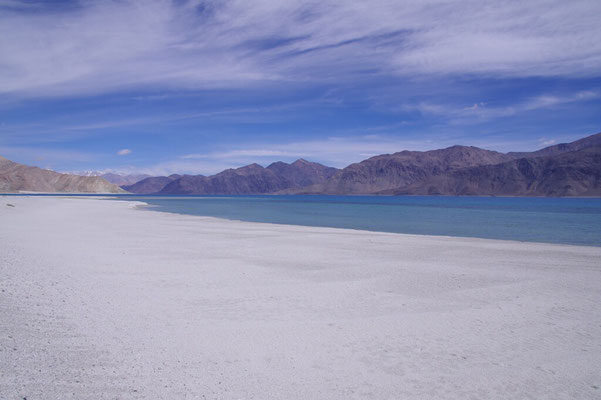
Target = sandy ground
(100,300)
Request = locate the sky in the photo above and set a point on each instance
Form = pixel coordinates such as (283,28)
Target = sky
(177,86)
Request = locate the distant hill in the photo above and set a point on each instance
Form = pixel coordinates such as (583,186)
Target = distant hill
(390,171)
(252,179)
(15,177)
(153,184)
(575,173)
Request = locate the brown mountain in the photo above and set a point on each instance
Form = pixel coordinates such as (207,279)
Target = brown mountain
(153,184)
(574,173)
(302,172)
(389,171)
(252,179)
(16,177)
(589,141)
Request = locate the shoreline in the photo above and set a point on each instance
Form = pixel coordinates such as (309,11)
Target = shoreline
(104,302)
(58,194)
(149,207)
(155,208)
(565,231)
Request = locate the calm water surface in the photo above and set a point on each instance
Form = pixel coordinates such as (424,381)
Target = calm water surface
(550,220)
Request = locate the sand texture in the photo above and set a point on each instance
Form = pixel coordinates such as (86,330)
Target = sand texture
(100,300)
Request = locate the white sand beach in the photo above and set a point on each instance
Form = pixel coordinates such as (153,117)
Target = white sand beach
(100,300)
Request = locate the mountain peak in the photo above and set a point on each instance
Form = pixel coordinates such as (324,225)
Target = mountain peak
(277,164)
(250,166)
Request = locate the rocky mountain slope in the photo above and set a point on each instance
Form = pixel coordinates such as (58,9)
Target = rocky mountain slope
(153,184)
(575,173)
(253,179)
(390,171)
(15,177)
(567,169)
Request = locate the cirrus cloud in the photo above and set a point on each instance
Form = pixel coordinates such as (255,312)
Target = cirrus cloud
(98,47)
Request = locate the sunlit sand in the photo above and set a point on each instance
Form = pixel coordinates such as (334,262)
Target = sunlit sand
(100,300)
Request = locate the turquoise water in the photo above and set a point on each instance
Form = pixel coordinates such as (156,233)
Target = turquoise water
(549,220)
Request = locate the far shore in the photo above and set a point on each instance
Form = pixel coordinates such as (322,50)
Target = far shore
(99,300)
(22,192)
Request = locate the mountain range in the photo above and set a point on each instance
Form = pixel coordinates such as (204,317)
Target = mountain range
(391,171)
(567,169)
(251,179)
(15,177)
(576,173)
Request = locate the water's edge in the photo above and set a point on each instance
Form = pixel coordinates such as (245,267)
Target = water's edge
(570,221)
(558,221)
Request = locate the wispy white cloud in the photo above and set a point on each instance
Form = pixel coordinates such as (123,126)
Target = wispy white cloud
(480,112)
(544,142)
(123,152)
(111,45)
(65,129)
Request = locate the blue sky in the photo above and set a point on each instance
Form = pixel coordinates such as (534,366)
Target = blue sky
(164,87)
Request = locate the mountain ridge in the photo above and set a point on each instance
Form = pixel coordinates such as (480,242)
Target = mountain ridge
(404,172)
(15,177)
(588,141)
(565,169)
(378,174)
(151,184)
(387,171)
(251,179)
(572,173)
